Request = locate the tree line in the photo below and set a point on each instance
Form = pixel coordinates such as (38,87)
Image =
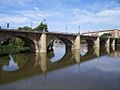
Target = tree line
(42,27)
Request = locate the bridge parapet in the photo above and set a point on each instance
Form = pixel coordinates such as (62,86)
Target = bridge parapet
(94,34)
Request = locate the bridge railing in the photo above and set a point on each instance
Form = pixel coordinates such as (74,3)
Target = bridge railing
(51,32)
(11,27)
(63,32)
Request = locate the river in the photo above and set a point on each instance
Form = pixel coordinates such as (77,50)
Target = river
(85,69)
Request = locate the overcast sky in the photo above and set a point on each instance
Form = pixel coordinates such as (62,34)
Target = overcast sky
(62,15)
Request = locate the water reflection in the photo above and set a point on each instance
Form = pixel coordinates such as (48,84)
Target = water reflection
(97,51)
(113,47)
(41,61)
(109,65)
(83,49)
(108,49)
(58,52)
(91,70)
(12,66)
(17,61)
(76,54)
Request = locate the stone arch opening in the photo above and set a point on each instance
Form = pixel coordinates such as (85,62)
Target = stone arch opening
(90,43)
(68,43)
(103,42)
(117,42)
(65,41)
(28,42)
(58,47)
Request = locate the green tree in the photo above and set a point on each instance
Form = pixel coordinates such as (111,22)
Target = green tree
(16,41)
(25,28)
(42,27)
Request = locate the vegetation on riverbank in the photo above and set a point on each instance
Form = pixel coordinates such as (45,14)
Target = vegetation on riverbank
(14,45)
(13,49)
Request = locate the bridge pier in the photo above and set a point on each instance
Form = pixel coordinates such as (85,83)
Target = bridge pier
(42,44)
(107,45)
(107,42)
(36,46)
(113,42)
(76,44)
(97,42)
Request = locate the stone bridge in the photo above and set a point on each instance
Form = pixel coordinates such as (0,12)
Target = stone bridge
(41,41)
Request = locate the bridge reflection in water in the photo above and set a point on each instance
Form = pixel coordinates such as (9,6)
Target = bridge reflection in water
(31,64)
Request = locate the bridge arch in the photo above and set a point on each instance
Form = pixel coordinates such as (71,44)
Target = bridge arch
(103,42)
(66,41)
(90,42)
(28,42)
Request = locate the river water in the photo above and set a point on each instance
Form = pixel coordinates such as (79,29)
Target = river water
(85,69)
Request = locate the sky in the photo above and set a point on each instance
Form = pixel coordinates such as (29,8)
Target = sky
(69,16)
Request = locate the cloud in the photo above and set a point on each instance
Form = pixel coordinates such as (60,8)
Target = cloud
(109,13)
(102,17)
(14,2)
(37,14)
(24,17)
(13,19)
(21,2)
(36,8)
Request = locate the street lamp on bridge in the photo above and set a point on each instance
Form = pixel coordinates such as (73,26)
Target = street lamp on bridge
(79,29)
(8,25)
